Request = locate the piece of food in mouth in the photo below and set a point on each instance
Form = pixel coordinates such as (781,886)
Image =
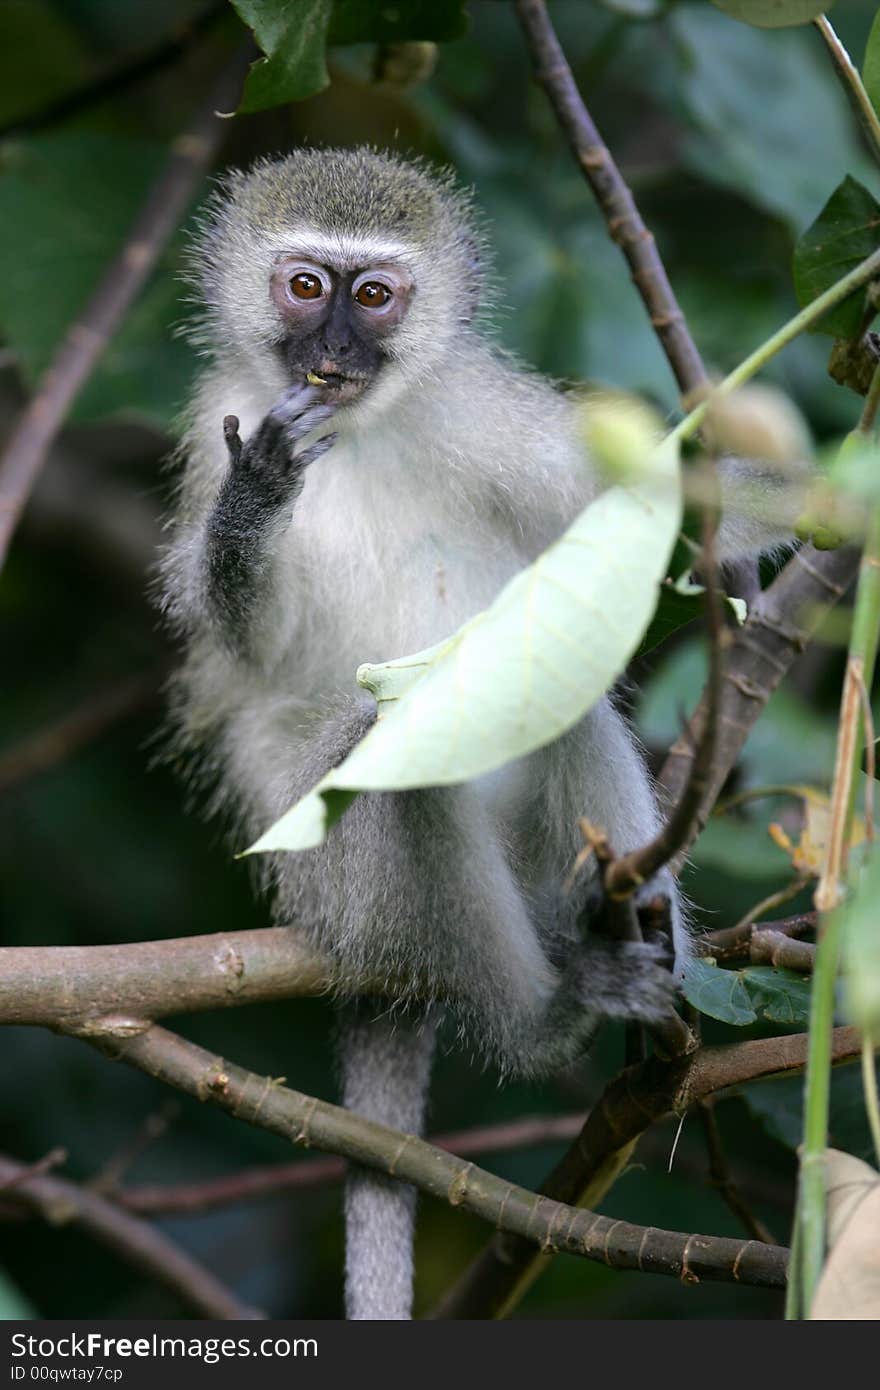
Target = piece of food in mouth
(314,380)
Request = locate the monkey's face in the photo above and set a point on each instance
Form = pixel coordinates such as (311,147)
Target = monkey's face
(339,323)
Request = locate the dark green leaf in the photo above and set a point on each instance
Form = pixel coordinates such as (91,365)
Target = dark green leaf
(779,996)
(680,602)
(768,117)
(778,1102)
(67,202)
(365,21)
(294,39)
(773,14)
(845,232)
(741,997)
(718,993)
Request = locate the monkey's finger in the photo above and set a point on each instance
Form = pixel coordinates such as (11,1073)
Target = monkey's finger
(313,452)
(297,429)
(295,401)
(232,437)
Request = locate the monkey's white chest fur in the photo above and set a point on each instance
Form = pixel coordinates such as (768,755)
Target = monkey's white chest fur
(383,557)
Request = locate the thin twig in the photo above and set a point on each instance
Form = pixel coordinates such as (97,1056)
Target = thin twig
(146,1249)
(254,1183)
(848,75)
(111,1173)
(631,870)
(497,1279)
(615,200)
(757,658)
(86,339)
(551,1225)
(719,1172)
(53,1159)
(782,895)
(733,943)
(869,740)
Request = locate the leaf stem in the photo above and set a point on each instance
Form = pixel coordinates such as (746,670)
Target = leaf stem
(858,276)
(852,84)
(810,1213)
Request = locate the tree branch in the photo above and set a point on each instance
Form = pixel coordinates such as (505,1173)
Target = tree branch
(631,870)
(140,1245)
(759,655)
(71,988)
(507,1266)
(615,200)
(253,1183)
(88,336)
(535,1219)
(734,943)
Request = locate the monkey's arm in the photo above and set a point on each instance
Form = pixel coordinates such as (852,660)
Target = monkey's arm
(255,502)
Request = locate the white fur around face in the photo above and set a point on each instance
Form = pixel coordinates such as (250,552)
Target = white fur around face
(341,251)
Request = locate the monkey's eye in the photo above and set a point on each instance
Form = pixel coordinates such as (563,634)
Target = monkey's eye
(372,295)
(306,286)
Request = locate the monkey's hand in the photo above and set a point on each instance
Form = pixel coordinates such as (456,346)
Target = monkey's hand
(636,979)
(264,479)
(268,467)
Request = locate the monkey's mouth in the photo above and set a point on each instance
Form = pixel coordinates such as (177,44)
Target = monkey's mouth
(338,388)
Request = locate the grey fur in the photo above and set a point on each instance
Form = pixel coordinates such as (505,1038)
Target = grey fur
(455,469)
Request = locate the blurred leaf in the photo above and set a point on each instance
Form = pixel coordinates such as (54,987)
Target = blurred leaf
(294,39)
(746,94)
(636,9)
(56,59)
(846,231)
(718,993)
(363,21)
(773,14)
(849,1288)
(526,669)
(13,1304)
(778,1103)
(871,64)
(67,202)
(739,847)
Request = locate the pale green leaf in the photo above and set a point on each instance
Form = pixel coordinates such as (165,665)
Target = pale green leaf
(861,948)
(526,669)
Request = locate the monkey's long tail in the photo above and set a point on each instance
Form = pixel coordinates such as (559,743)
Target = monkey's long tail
(386,1066)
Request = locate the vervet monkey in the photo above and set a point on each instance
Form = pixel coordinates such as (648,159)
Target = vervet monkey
(365,516)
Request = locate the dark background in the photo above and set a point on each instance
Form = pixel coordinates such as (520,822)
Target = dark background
(732,139)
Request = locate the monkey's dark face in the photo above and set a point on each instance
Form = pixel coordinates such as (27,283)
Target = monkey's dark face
(338,322)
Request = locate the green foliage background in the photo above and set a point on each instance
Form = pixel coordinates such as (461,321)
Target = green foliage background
(733,139)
